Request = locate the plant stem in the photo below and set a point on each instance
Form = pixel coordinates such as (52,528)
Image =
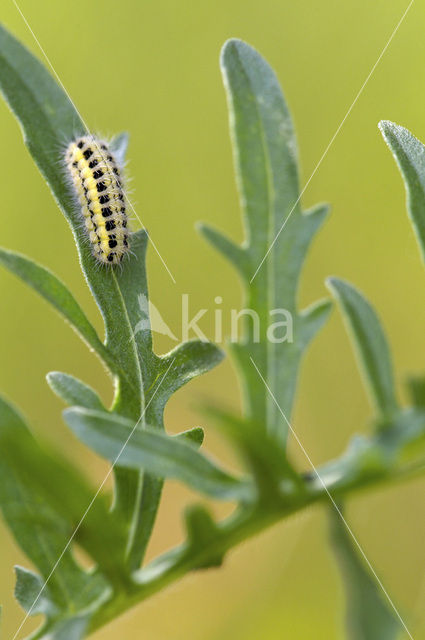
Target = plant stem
(178,562)
(245,523)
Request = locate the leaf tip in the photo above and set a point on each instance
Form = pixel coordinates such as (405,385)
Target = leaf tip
(230,46)
(51,376)
(341,290)
(119,145)
(202,228)
(384,124)
(315,316)
(321,209)
(332,283)
(397,137)
(386,127)
(322,307)
(235,47)
(70,414)
(194,436)
(202,531)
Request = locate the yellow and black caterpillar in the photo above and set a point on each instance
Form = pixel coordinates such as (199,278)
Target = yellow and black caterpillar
(96,179)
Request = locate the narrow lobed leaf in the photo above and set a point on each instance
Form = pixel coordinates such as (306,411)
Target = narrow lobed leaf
(119,145)
(33,595)
(236,254)
(202,531)
(49,287)
(370,344)
(115,439)
(369,614)
(193,436)
(278,235)
(40,529)
(67,493)
(264,455)
(314,317)
(416,388)
(52,494)
(49,120)
(187,361)
(409,154)
(72,628)
(395,449)
(73,391)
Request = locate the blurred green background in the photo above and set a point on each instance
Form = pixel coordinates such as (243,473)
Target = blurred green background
(151,68)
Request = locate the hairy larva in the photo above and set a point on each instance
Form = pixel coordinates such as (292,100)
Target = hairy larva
(97,183)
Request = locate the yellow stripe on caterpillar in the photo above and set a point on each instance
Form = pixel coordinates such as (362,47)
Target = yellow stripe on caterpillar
(97,183)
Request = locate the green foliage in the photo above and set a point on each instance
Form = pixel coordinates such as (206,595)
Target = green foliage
(42,522)
(47,502)
(202,531)
(116,438)
(56,293)
(369,614)
(265,153)
(370,343)
(408,152)
(73,391)
(143,381)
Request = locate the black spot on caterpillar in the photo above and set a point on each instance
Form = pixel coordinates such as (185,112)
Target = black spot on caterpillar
(100,196)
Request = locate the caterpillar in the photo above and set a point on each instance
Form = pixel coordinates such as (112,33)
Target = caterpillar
(97,183)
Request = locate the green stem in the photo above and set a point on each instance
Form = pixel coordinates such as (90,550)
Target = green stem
(244,523)
(240,526)
(126,480)
(150,490)
(177,563)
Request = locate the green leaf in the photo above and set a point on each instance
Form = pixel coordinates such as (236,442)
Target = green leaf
(29,519)
(369,614)
(49,119)
(363,462)
(161,377)
(58,295)
(409,154)
(33,594)
(187,361)
(119,145)
(395,449)
(202,531)
(114,438)
(131,283)
(229,249)
(264,455)
(64,493)
(42,531)
(314,317)
(370,344)
(416,388)
(73,628)
(68,494)
(278,235)
(193,436)
(73,391)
